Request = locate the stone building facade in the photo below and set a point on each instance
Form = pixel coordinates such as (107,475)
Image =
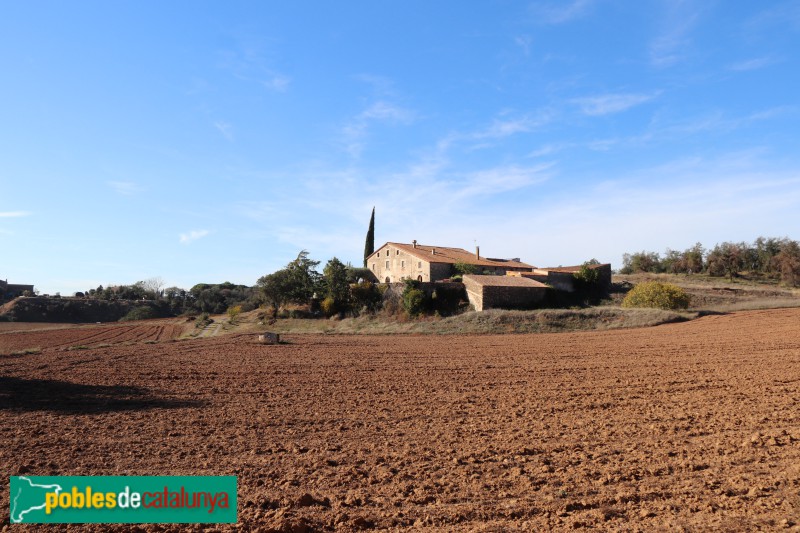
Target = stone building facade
(394,262)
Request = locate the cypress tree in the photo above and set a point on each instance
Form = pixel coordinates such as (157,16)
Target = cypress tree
(369,245)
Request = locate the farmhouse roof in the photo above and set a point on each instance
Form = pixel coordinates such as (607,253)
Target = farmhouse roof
(503,281)
(444,254)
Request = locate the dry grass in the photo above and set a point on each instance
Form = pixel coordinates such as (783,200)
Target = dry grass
(720,295)
(492,321)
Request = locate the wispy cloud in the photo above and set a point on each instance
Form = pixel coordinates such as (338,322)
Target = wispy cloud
(612,103)
(524,42)
(14,214)
(505,126)
(753,64)
(278,82)
(186,238)
(125,188)
(355,132)
(560,12)
(247,62)
(672,44)
(225,129)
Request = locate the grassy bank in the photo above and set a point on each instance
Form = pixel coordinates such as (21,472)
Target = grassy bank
(494,321)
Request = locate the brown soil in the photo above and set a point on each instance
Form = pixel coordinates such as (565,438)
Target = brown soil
(22,336)
(692,425)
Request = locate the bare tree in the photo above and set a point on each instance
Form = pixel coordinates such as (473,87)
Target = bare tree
(153,286)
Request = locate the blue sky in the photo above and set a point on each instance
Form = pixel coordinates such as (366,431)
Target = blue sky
(212,141)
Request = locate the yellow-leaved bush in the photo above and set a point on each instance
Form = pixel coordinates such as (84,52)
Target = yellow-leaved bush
(657,295)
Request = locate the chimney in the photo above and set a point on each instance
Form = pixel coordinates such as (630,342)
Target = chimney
(414,243)
(478,253)
(433,251)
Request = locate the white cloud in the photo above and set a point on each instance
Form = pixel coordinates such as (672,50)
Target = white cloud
(524,42)
(247,62)
(356,131)
(125,188)
(14,214)
(753,64)
(672,44)
(278,82)
(186,238)
(510,126)
(560,12)
(225,129)
(611,103)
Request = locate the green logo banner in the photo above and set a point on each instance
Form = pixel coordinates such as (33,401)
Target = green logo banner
(123,499)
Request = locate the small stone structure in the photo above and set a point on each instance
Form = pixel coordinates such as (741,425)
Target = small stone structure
(506,292)
(269,338)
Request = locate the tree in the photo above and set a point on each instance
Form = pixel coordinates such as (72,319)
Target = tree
(641,262)
(296,282)
(727,258)
(369,244)
(153,286)
(465,268)
(787,262)
(275,288)
(335,273)
(587,274)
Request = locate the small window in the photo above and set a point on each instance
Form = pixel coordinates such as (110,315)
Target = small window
(419,265)
(387,265)
(373,267)
(397,252)
(402,264)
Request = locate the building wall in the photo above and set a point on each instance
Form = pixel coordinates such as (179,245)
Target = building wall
(401,265)
(497,297)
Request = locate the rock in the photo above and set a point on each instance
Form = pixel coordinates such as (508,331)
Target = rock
(269,338)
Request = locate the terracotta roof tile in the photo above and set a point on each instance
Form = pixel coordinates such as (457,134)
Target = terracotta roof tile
(503,281)
(444,254)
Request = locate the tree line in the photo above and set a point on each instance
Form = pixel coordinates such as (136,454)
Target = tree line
(766,257)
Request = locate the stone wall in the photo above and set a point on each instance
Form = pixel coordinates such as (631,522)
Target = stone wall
(502,297)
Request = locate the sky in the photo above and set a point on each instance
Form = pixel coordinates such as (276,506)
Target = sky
(212,141)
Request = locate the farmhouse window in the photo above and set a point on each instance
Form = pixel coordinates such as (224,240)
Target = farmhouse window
(402,264)
(373,267)
(397,252)
(419,264)
(387,265)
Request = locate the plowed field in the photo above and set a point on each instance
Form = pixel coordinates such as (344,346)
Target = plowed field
(683,426)
(60,336)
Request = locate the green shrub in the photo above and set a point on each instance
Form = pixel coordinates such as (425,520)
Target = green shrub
(202,320)
(413,301)
(140,312)
(657,295)
(365,295)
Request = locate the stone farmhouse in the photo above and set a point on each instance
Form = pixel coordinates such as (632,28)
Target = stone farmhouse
(10,290)
(394,262)
(499,283)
